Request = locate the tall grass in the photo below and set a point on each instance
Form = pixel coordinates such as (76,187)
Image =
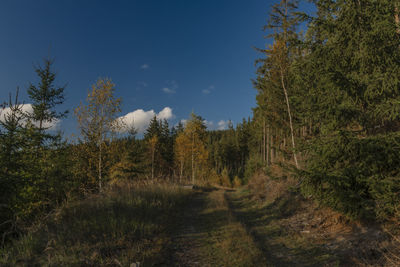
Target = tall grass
(127,223)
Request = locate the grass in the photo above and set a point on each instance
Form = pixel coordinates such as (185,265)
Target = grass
(228,244)
(264,220)
(125,224)
(209,235)
(165,225)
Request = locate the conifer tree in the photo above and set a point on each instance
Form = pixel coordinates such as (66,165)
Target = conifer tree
(11,142)
(45,96)
(350,75)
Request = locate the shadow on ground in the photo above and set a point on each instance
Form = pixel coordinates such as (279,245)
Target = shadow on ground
(281,246)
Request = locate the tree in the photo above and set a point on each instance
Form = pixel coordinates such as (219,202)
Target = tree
(11,120)
(284,21)
(45,97)
(196,130)
(351,89)
(182,151)
(154,129)
(161,155)
(97,119)
(153,143)
(130,164)
(11,142)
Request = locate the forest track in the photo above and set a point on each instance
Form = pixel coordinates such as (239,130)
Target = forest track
(207,234)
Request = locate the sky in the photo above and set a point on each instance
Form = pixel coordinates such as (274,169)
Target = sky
(166,57)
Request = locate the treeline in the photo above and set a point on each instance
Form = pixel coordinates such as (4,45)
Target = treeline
(39,169)
(328,108)
(329,100)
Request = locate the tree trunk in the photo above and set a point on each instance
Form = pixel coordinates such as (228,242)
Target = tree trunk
(268,143)
(152,163)
(263,149)
(192,158)
(290,119)
(181,171)
(284,149)
(397,19)
(272,149)
(100,165)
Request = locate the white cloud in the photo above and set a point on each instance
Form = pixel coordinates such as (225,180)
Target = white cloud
(209,124)
(222,125)
(171,87)
(140,119)
(208,90)
(145,66)
(168,90)
(183,121)
(166,114)
(27,108)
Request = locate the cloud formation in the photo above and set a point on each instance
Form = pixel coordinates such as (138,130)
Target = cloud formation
(140,119)
(171,87)
(27,108)
(209,124)
(208,90)
(168,90)
(223,125)
(145,66)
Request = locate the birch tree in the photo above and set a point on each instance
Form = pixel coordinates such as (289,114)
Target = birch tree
(97,119)
(196,131)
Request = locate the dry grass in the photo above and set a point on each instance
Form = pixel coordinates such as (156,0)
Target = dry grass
(127,223)
(308,232)
(268,188)
(228,243)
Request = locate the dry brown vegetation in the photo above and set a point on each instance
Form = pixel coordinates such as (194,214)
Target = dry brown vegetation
(330,234)
(127,223)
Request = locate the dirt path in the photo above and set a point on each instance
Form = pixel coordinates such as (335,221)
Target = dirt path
(207,234)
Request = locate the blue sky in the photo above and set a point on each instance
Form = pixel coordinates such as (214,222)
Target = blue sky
(185,55)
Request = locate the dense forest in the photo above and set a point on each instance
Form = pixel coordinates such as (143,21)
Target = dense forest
(328,111)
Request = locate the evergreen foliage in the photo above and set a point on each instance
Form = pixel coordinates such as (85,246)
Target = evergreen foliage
(350,76)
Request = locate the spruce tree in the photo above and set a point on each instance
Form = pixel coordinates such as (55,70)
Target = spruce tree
(350,73)
(45,97)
